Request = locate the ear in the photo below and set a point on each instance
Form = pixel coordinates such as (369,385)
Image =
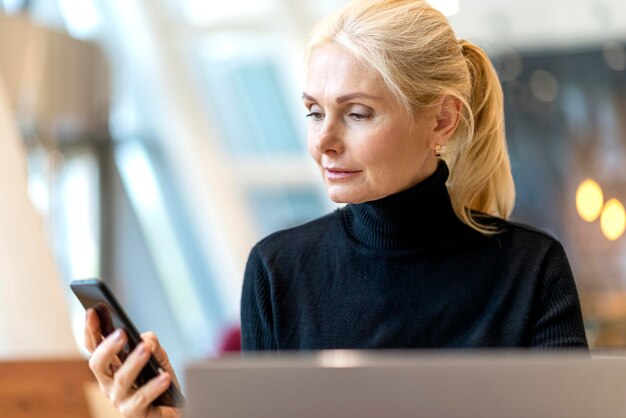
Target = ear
(447,119)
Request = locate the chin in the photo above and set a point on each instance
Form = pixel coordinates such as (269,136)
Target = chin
(338,197)
(345,197)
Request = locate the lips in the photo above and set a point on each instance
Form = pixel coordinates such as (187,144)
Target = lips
(338,173)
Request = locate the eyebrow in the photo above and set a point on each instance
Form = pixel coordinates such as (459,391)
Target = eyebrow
(345,97)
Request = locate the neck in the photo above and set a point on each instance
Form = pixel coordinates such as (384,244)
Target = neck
(410,219)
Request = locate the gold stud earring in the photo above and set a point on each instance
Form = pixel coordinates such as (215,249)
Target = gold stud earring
(437,150)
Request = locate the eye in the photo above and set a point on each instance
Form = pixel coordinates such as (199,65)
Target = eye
(359,116)
(317,116)
(359,112)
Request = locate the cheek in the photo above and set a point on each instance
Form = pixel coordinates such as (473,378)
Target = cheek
(394,155)
(310,144)
(382,153)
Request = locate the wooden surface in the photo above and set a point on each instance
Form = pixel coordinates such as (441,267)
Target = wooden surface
(44,389)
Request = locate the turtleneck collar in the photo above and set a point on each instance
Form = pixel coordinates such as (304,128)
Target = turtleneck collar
(410,219)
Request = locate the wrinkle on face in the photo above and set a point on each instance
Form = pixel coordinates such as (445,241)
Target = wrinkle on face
(388,150)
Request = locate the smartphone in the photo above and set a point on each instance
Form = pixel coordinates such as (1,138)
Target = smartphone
(93,293)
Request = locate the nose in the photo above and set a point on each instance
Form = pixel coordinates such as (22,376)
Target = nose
(328,139)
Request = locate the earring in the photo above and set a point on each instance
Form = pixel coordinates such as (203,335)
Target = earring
(438,150)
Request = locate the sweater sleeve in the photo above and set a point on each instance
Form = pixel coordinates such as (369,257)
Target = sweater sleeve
(558,322)
(256,307)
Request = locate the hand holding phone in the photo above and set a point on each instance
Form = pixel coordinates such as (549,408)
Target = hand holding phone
(94,294)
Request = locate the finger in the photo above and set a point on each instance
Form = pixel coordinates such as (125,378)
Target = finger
(140,401)
(159,353)
(105,355)
(124,378)
(93,333)
(152,341)
(155,347)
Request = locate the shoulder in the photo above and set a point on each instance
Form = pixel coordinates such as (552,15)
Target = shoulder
(521,238)
(527,232)
(531,253)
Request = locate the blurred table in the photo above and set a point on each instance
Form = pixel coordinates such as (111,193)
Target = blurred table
(44,389)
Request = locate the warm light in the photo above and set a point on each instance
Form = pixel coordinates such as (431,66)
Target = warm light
(613,220)
(544,86)
(589,200)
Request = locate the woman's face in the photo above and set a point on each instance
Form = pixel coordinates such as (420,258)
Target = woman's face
(363,141)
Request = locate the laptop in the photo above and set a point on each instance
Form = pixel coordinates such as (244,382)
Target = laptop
(361,384)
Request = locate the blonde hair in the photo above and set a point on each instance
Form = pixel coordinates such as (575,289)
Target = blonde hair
(420,59)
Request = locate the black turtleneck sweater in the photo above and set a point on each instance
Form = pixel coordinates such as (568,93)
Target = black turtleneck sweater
(404,272)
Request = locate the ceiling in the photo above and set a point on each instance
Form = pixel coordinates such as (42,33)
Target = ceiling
(534,24)
(519,24)
(529,24)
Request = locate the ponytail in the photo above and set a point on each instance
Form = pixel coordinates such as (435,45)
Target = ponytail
(480,175)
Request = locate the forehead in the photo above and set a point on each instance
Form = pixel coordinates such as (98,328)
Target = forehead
(333,70)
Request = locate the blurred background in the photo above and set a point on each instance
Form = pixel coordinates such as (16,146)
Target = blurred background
(163,138)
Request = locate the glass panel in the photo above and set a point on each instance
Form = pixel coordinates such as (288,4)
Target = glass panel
(251,110)
(40,173)
(13,6)
(77,222)
(174,272)
(206,12)
(46,12)
(279,208)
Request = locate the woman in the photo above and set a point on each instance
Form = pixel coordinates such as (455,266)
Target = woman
(406,126)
